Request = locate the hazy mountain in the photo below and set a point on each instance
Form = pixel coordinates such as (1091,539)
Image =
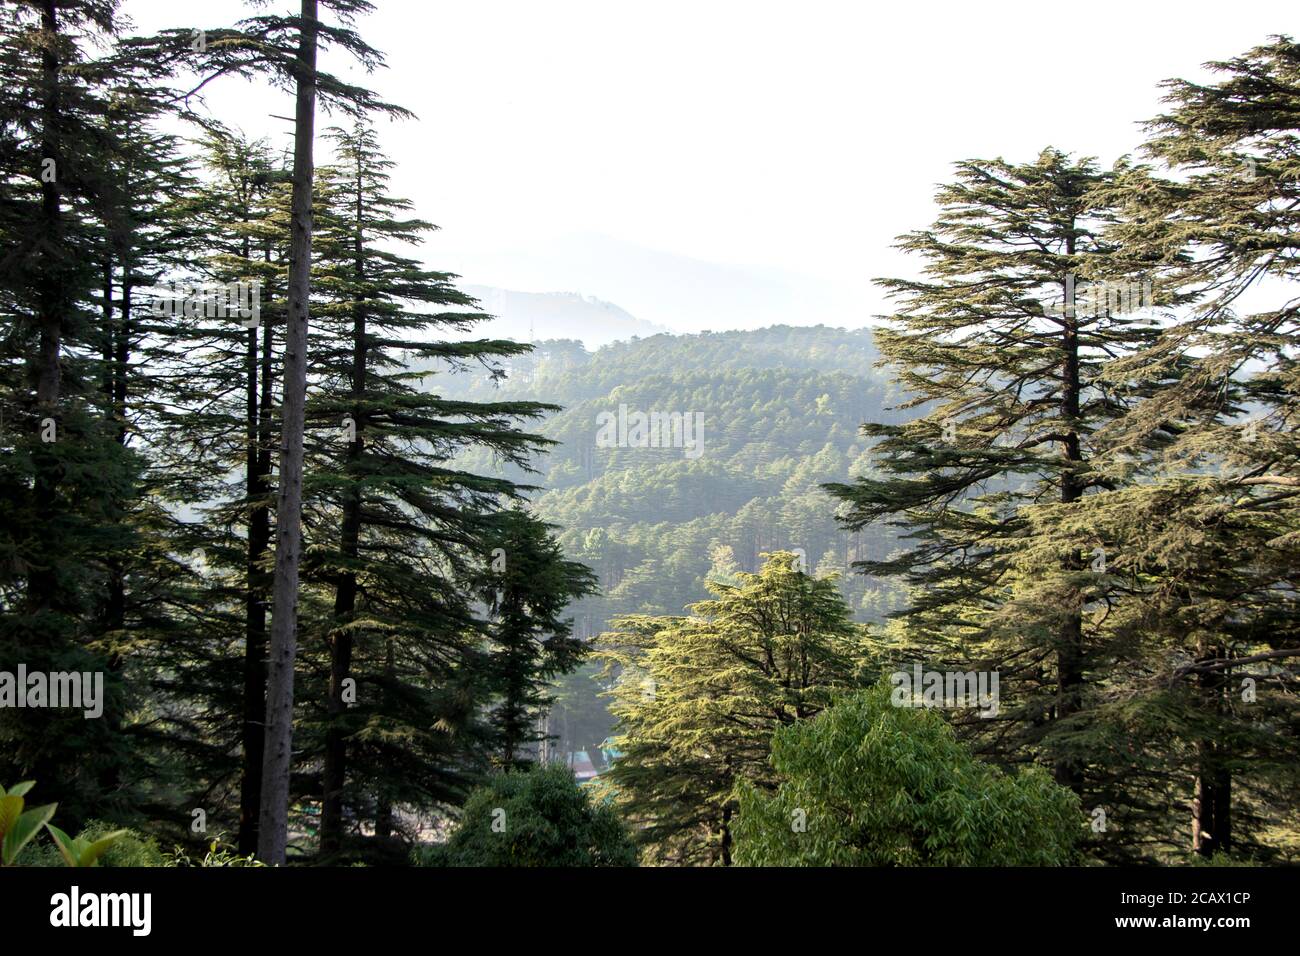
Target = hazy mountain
(534,316)
(677,292)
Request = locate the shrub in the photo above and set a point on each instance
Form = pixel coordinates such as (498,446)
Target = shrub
(17,825)
(866,783)
(131,848)
(534,817)
(218,854)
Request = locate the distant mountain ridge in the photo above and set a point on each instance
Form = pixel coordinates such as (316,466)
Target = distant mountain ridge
(534,316)
(671,291)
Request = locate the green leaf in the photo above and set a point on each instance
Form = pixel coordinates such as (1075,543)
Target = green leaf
(24,829)
(64,842)
(91,854)
(19,789)
(11,807)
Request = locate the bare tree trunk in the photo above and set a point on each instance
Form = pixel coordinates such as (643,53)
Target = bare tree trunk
(725,846)
(106,346)
(115,619)
(115,353)
(274,817)
(258,472)
(384,818)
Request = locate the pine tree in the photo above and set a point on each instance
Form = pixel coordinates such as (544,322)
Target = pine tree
(529,583)
(1211,559)
(145,179)
(699,697)
(284,49)
(398,531)
(65,478)
(212,445)
(1002,348)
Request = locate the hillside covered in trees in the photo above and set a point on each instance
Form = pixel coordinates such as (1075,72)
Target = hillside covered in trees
(781,410)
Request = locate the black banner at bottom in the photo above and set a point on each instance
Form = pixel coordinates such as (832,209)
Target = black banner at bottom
(202,909)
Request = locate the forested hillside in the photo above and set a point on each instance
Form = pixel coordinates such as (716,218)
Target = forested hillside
(781,414)
(782,409)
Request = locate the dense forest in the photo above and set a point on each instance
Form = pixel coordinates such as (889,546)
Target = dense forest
(784,406)
(296,567)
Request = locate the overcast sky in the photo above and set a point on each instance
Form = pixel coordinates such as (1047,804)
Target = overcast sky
(792,139)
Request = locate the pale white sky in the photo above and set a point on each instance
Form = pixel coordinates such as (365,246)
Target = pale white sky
(794,139)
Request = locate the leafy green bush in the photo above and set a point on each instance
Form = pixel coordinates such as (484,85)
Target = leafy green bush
(80,851)
(866,783)
(131,848)
(534,817)
(218,854)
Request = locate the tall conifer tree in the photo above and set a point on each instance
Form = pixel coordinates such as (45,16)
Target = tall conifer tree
(1001,346)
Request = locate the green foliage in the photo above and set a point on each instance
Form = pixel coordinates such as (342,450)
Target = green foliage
(781,412)
(68,483)
(535,817)
(698,698)
(17,825)
(867,783)
(130,848)
(1085,510)
(218,853)
(82,850)
(528,584)
(1012,438)
(1208,555)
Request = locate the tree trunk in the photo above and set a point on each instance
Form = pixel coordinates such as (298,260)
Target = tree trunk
(115,354)
(383,818)
(258,472)
(273,818)
(106,344)
(115,614)
(122,351)
(115,618)
(1212,800)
